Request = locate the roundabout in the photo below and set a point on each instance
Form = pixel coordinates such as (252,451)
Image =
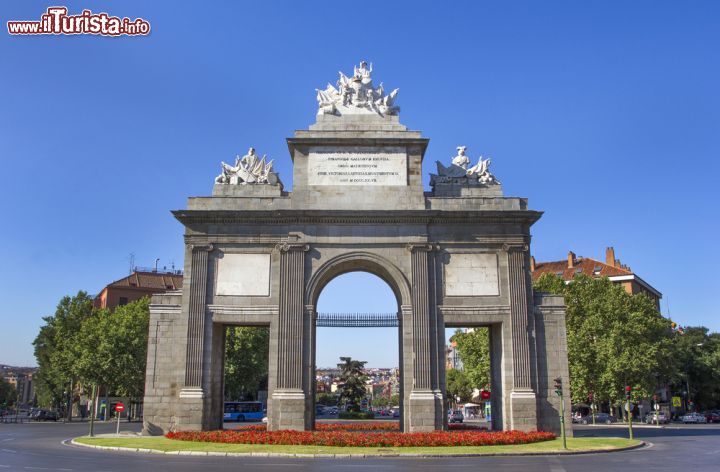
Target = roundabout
(46,447)
(162,445)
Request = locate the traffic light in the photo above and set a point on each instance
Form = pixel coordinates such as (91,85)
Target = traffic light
(558,386)
(628,391)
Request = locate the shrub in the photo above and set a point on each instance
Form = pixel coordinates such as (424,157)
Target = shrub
(356,415)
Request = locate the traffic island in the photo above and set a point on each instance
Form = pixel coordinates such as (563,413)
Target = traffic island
(163,445)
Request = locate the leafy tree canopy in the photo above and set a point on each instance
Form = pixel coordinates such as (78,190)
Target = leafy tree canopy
(474,350)
(246,361)
(614,339)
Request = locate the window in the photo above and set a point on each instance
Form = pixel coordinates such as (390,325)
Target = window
(249,407)
(123,301)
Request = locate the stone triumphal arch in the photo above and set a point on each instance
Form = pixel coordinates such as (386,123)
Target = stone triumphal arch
(258,255)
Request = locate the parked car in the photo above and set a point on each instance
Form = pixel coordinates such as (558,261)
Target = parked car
(712,416)
(396,412)
(657,417)
(600,418)
(693,418)
(45,415)
(455,416)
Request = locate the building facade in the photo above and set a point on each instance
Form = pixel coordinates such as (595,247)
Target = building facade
(612,268)
(139,284)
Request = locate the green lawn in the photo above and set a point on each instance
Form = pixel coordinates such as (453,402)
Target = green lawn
(163,444)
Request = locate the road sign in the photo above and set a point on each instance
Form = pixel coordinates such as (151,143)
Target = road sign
(676,401)
(119,407)
(484,394)
(628,406)
(657,406)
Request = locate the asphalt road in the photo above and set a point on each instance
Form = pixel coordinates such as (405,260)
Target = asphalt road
(38,447)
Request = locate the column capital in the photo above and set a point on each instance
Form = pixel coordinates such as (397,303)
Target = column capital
(292,247)
(515,247)
(422,247)
(209,247)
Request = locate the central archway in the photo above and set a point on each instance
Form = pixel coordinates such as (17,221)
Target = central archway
(389,274)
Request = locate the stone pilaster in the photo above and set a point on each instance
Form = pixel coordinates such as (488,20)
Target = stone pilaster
(288,411)
(193,387)
(425,409)
(523,408)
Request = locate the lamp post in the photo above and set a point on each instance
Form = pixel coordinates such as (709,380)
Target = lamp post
(92,412)
(628,408)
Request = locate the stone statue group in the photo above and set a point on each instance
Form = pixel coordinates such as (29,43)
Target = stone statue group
(248,169)
(357,92)
(460,169)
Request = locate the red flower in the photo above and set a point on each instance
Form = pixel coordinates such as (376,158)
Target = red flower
(349,435)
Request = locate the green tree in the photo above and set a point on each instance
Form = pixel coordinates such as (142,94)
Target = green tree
(474,350)
(353,377)
(83,345)
(326,399)
(8,395)
(123,347)
(458,385)
(246,361)
(614,339)
(381,401)
(387,400)
(696,357)
(57,349)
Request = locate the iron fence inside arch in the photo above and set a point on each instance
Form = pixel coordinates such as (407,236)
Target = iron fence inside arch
(357,320)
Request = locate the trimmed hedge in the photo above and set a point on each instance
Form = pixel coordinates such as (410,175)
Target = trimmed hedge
(356,415)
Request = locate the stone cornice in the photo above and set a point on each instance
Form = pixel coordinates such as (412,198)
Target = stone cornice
(292,217)
(340,138)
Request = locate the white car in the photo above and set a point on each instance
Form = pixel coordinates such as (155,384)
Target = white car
(694,418)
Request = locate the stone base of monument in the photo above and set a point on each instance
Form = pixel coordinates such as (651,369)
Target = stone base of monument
(424,411)
(523,407)
(247,190)
(466,189)
(288,411)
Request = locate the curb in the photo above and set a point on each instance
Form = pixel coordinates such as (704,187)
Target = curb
(642,444)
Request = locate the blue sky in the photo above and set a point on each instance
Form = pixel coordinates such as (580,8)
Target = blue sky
(606,115)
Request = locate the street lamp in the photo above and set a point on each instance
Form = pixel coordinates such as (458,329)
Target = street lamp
(688,399)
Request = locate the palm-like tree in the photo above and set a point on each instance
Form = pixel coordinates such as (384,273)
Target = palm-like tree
(353,377)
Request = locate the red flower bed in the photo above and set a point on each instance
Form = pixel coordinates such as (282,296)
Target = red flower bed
(465,427)
(373,426)
(373,439)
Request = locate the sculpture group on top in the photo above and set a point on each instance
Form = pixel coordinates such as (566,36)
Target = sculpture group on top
(357,94)
(459,172)
(248,169)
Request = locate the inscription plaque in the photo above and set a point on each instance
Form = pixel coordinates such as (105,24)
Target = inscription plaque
(472,275)
(243,275)
(357,166)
